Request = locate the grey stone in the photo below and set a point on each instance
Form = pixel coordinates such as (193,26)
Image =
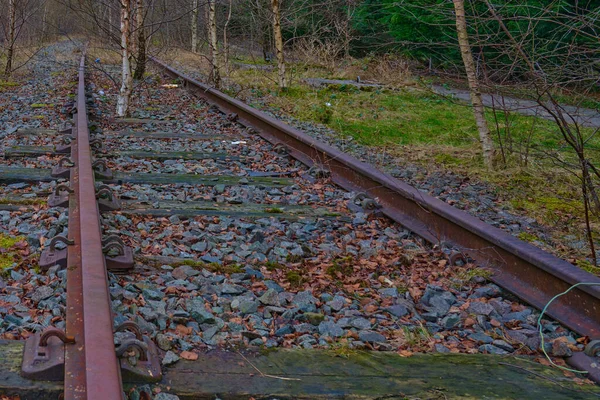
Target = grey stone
(479,308)
(450,321)
(170,358)
(503,345)
(273,285)
(248,306)
(519,316)
(561,349)
(270,298)
(16,276)
(232,289)
(360,323)
(486,292)
(501,307)
(337,303)
(200,246)
(491,349)
(305,328)
(481,338)
(304,298)
(41,293)
(163,342)
(183,272)
(371,337)
(330,328)
(397,310)
(284,330)
(439,348)
(199,312)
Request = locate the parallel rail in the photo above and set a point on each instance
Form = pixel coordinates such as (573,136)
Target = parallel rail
(92,369)
(525,270)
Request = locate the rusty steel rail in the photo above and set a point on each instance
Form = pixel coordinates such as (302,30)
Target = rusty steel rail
(91,366)
(528,272)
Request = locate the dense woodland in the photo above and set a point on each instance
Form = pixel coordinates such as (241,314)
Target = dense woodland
(544,51)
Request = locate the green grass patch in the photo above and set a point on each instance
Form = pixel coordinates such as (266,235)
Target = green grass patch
(8,84)
(41,105)
(404,117)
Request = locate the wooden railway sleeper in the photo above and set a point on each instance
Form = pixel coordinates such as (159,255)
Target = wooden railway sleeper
(52,256)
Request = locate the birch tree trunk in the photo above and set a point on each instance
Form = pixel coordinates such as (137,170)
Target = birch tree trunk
(478,109)
(214,44)
(195,12)
(140,68)
(126,76)
(12,27)
(278,44)
(225,42)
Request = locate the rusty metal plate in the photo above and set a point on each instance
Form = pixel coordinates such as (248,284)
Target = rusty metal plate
(52,257)
(61,172)
(48,366)
(122,262)
(58,200)
(144,371)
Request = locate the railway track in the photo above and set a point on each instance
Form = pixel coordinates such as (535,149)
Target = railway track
(181,220)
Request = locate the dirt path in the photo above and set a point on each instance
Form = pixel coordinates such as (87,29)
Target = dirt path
(583,116)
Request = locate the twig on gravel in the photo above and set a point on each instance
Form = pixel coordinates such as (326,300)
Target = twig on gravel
(267,375)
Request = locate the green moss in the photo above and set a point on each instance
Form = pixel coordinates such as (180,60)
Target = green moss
(274,210)
(23,201)
(342,350)
(294,278)
(341,265)
(7,257)
(5,84)
(215,267)
(466,275)
(273,266)
(41,105)
(527,237)
(589,267)
(293,258)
